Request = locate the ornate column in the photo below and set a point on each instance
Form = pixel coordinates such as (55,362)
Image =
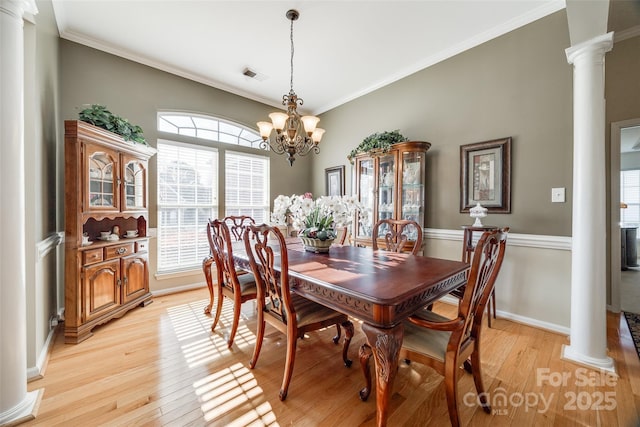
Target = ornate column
(16,405)
(588,340)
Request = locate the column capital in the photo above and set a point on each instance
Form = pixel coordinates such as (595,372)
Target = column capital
(602,44)
(18,8)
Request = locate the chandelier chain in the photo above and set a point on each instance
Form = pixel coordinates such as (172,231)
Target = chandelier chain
(292,50)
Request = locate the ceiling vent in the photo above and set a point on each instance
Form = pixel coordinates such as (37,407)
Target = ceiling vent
(254,75)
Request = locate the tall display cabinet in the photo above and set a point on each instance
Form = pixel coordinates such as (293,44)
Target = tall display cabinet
(391,185)
(106,217)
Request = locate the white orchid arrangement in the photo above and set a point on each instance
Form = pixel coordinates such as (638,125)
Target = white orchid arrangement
(317,218)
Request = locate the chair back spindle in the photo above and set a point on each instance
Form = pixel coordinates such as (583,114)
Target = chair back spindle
(396,235)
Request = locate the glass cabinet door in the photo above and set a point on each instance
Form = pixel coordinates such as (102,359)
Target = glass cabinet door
(386,187)
(134,184)
(102,180)
(413,173)
(366,188)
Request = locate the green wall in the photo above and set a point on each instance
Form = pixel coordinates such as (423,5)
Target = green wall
(138,92)
(518,85)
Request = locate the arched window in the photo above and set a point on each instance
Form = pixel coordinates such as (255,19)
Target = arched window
(189,184)
(209,128)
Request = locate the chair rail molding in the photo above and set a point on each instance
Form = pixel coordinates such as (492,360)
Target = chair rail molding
(45,246)
(526,240)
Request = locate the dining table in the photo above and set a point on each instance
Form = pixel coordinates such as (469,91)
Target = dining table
(379,288)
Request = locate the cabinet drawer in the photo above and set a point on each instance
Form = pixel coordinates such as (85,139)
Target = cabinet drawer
(142,246)
(118,251)
(91,256)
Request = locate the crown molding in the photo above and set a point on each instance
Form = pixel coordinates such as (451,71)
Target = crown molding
(132,56)
(545,9)
(626,34)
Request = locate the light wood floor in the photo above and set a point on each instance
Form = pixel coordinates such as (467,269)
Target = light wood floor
(161,365)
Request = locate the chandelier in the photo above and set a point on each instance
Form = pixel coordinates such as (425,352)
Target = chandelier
(293,134)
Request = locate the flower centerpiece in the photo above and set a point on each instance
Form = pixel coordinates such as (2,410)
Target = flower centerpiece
(316,220)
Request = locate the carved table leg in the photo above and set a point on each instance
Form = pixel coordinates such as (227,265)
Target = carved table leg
(206,268)
(365,356)
(385,345)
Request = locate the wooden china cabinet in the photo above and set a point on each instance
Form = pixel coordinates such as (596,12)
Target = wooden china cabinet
(391,185)
(105,191)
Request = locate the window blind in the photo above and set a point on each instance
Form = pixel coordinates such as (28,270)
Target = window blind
(247,186)
(187,198)
(630,194)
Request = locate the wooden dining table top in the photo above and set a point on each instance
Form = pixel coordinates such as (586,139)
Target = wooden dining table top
(379,287)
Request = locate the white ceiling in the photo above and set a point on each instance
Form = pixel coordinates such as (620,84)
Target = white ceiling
(343,49)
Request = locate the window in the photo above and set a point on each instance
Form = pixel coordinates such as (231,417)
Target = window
(189,182)
(187,198)
(630,195)
(247,186)
(209,128)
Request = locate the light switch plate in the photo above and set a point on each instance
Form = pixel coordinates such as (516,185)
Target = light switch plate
(557,195)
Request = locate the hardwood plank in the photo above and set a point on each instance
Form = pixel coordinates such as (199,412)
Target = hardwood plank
(162,366)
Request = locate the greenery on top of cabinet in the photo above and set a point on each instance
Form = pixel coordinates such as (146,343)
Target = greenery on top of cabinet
(98,115)
(380,142)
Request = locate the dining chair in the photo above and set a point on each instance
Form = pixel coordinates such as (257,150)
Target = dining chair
(237,225)
(288,312)
(342,233)
(444,344)
(396,235)
(238,288)
(467,252)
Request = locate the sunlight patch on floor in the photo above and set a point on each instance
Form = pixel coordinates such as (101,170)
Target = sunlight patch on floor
(189,322)
(230,388)
(186,320)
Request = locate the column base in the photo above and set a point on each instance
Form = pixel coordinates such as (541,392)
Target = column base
(24,411)
(605,364)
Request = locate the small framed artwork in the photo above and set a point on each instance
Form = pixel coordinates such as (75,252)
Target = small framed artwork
(334,180)
(485,175)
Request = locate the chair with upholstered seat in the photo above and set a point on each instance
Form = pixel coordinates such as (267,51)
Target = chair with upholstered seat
(396,234)
(288,312)
(238,288)
(467,252)
(445,344)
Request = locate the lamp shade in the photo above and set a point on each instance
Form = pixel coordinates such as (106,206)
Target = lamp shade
(317,135)
(265,129)
(309,123)
(279,120)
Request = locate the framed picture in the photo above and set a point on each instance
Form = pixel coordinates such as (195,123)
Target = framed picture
(485,175)
(334,180)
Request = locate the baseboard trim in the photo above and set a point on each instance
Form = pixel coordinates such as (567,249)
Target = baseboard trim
(179,289)
(528,321)
(37,372)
